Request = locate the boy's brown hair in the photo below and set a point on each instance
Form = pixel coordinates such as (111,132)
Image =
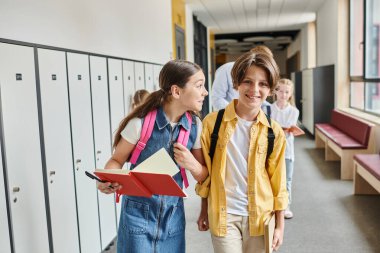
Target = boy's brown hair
(259,58)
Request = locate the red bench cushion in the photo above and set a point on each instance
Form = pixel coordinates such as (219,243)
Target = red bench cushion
(341,139)
(352,127)
(370,162)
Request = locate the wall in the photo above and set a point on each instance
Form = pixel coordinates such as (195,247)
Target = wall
(179,19)
(305,42)
(189,34)
(280,58)
(294,47)
(327,30)
(123,28)
(333,45)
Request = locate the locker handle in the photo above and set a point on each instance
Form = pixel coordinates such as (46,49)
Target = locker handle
(78,161)
(52,173)
(16,189)
(98,152)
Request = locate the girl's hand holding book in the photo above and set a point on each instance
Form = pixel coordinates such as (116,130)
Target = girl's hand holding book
(108,187)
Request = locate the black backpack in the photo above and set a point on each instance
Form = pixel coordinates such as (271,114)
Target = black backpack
(214,135)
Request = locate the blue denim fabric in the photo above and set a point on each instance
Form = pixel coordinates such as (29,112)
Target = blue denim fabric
(156,224)
(289,177)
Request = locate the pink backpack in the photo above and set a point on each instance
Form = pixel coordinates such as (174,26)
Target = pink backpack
(146,132)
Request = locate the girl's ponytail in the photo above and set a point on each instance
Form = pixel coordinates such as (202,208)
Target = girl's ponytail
(153,101)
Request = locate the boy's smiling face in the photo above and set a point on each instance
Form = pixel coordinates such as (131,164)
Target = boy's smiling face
(254,88)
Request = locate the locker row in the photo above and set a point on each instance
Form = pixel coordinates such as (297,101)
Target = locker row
(59,111)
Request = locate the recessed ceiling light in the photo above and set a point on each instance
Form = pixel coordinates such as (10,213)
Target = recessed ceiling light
(258,38)
(240,44)
(283,39)
(225,41)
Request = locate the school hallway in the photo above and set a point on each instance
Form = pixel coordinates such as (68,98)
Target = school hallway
(328,218)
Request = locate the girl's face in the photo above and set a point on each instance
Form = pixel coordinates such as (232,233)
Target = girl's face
(194,92)
(254,88)
(283,93)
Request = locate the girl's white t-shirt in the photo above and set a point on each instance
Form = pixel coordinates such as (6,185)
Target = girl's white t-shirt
(286,117)
(132,131)
(237,167)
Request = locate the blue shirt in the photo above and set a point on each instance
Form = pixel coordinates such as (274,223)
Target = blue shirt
(222,88)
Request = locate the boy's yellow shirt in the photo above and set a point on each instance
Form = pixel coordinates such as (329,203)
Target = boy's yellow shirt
(266,185)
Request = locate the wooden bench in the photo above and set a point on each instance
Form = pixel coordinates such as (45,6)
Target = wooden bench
(367,174)
(344,137)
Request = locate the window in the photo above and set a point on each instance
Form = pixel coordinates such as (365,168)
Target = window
(365,55)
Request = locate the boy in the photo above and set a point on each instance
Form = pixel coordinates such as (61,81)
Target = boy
(244,186)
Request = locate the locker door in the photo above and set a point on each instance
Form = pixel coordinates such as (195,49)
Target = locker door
(58,151)
(102,137)
(149,77)
(115,68)
(22,148)
(129,85)
(83,150)
(139,76)
(156,75)
(4,231)
(307,100)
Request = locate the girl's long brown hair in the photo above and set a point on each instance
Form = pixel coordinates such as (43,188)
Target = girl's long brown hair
(175,72)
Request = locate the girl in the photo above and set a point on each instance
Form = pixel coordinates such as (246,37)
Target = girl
(157,224)
(286,114)
(139,98)
(244,186)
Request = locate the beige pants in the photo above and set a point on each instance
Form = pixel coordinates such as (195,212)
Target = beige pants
(237,239)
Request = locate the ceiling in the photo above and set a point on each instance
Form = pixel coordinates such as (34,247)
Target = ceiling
(250,18)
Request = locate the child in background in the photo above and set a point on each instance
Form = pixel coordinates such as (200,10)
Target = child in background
(244,186)
(157,224)
(286,114)
(139,98)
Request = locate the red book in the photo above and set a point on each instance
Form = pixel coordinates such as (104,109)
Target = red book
(295,130)
(142,184)
(152,176)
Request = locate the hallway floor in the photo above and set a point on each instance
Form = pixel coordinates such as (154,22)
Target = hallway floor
(328,218)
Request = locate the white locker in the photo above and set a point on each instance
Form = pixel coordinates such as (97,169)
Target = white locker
(129,85)
(102,138)
(156,76)
(307,100)
(4,230)
(58,151)
(148,71)
(22,148)
(115,69)
(139,76)
(117,103)
(83,150)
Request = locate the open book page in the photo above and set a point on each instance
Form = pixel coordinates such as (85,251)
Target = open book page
(114,171)
(158,163)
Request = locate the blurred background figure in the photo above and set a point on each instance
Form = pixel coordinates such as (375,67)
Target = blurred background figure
(139,98)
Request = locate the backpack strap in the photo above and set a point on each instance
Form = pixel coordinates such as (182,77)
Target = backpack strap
(214,135)
(269,111)
(271,138)
(183,138)
(146,132)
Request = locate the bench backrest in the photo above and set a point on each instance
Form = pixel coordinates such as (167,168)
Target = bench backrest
(357,129)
